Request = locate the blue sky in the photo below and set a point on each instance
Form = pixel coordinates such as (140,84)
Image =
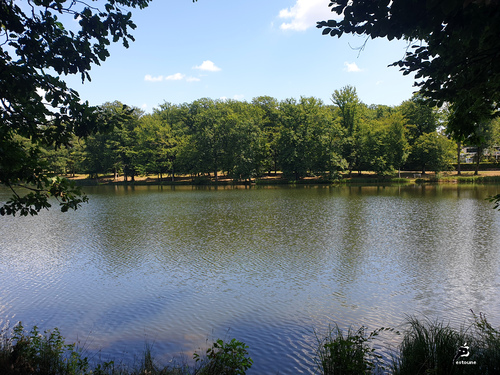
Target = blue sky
(237,49)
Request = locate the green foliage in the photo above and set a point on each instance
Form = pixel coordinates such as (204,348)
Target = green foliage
(487,344)
(225,358)
(268,113)
(453,49)
(35,51)
(68,195)
(496,200)
(428,348)
(44,354)
(433,151)
(385,147)
(348,353)
(241,140)
(432,348)
(295,140)
(420,117)
(118,149)
(348,105)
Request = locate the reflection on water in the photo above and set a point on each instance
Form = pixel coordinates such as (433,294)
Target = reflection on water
(176,266)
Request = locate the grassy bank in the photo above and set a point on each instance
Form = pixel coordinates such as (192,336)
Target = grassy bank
(278,179)
(490,176)
(427,347)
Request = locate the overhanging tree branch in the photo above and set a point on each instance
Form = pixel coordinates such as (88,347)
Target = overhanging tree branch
(37,106)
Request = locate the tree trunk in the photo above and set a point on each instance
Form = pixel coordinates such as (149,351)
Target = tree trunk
(478,159)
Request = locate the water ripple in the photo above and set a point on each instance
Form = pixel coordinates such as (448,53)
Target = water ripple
(180,267)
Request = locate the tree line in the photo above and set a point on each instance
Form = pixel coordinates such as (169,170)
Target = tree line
(453,51)
(244,140)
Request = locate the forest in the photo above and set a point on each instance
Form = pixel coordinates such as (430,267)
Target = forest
(244,140)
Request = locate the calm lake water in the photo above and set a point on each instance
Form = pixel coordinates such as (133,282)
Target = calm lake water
(176,267)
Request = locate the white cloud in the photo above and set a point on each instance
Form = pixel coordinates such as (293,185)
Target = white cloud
(144,106)
(305,13)
(208,66)
(172,77)
(238,97)
(352,67)
(175,77)
(150,78)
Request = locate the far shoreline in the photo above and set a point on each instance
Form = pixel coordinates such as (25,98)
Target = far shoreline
(486,176)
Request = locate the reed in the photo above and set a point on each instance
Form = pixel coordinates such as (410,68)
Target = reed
(427,347)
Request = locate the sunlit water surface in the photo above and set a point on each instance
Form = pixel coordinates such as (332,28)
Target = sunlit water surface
(268,266)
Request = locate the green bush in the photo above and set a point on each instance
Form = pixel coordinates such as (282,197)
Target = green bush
(36,353)
(225,359)
(427,347)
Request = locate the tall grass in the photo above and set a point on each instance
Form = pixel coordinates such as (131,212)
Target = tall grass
(427,347)
(435,348)
(348,352)
(487,341)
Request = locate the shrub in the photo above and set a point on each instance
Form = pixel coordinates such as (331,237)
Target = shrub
(225,359)
(36,353)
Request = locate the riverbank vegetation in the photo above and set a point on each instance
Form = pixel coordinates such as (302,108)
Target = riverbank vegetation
(426,347)
(264,141)
(242,141)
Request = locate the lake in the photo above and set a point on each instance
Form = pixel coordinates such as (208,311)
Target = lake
(180,267)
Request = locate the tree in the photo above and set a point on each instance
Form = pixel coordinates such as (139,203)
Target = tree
(123,140)
(349,106)
(453,48)
(328,136)
(36,49)
(209,135)
(157,145)
(433,151)
(295,142)
(486,135)
(116,150)
(269,108)
(385,144)
(245,150)
(398,147)
(420,117)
